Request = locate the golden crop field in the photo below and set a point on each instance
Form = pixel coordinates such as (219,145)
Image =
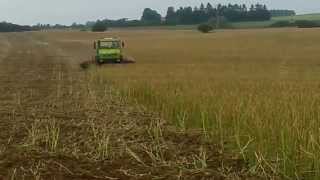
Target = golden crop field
(232,104)
(255,92)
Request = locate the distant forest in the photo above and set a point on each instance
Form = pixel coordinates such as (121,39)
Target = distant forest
(9,27)
(201,14)
(181,16)
(196,15)
(232,12)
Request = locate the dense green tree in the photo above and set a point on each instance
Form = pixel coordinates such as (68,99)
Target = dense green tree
(90,23)
(185,15)
(205,28)
(171,17)
(220,22)
(9,27)
(202,7)
(199,15)
(150,16)
(231,12)
(99,26)
(210,10)
(258,12)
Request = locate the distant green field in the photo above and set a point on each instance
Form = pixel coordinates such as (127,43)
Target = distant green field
(252,24)
(263,24)
(311,17)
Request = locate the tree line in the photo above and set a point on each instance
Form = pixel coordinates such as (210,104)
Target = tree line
(10,27)
(196,15)
(199,14)
(215,14)
(231,12)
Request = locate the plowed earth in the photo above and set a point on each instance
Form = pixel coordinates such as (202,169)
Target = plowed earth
(58,123)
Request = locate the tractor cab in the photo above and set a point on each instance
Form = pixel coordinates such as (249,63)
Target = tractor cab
(109,50)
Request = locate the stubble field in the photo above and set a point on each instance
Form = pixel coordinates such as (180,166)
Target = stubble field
(230,104)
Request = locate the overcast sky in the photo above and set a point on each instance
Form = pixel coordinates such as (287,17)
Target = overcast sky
(68,11)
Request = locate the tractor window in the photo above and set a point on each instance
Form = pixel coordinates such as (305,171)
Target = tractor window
(110,44)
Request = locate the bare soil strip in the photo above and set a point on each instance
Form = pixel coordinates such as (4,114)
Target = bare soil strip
(56,123)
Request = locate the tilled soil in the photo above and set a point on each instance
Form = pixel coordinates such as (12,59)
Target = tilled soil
(57,122)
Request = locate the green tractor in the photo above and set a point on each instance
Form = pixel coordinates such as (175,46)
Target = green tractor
(109,50)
